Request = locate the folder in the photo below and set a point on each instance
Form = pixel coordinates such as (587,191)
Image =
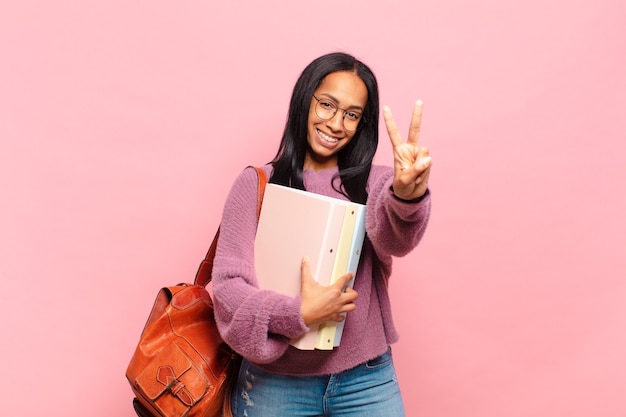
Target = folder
(296,223)
(353,263)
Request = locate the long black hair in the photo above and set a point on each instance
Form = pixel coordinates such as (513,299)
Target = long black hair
(355,160)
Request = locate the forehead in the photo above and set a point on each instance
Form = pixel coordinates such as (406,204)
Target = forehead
(347,88)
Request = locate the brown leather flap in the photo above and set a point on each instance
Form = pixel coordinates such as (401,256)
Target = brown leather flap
(190,296)
(171,372)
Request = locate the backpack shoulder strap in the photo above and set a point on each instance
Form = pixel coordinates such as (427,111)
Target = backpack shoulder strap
(205,270)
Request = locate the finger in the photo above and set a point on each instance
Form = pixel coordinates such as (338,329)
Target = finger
(347,308)
(422,159)
(416,123)
(350,295)
(343,280)
(424,163)
(420,167)
(423,176)
(305,265)
(305,269)
(392,129)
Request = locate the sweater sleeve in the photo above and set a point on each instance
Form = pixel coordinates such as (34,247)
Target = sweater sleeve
(394,226)
(258,324)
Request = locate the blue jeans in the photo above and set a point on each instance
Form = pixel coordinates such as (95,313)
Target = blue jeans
(368,390)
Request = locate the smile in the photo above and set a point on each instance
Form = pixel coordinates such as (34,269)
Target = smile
(327,138)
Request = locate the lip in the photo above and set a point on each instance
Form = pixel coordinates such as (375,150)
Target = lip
(327,139)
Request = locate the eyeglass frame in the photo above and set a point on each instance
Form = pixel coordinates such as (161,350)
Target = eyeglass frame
(343,119)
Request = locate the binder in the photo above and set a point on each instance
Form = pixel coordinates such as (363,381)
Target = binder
(327,330)
(353,263)
(296,223)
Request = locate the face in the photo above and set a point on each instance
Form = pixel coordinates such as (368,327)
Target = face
(326,138)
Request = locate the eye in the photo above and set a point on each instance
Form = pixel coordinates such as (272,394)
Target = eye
(327,105)
(353,116)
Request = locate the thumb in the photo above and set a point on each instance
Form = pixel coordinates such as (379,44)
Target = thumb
(305,271)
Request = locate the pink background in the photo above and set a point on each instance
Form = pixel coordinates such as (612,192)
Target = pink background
(123,124)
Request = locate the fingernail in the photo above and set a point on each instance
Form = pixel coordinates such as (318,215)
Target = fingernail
(425,160)
(418,180)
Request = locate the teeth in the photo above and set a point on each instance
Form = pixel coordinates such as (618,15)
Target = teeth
(327,138)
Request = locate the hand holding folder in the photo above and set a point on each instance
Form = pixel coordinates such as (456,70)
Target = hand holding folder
(325,303)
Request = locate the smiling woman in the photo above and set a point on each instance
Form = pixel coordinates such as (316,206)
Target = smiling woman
(327,148)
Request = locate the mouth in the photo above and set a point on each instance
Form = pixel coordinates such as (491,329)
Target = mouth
(326,137)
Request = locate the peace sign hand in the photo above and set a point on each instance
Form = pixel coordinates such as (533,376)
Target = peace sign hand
(411,162)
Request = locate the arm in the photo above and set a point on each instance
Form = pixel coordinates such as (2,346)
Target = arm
(399,200)
(258,324)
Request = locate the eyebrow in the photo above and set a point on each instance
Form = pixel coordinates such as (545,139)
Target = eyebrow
(337,101)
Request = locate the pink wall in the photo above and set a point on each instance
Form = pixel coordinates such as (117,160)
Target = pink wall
(122,125)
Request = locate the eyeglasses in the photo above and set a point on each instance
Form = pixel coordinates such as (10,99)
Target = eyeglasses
(326,110)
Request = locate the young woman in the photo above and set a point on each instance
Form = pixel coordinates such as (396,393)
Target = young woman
(327,147)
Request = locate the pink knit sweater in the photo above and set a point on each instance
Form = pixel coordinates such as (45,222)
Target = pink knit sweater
(259,323)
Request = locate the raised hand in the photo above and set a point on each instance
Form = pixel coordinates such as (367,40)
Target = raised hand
(412,162)
(324,303)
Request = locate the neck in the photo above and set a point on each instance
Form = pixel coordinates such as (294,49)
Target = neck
(319,164)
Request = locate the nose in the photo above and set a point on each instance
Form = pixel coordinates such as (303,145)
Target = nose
(336,122)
